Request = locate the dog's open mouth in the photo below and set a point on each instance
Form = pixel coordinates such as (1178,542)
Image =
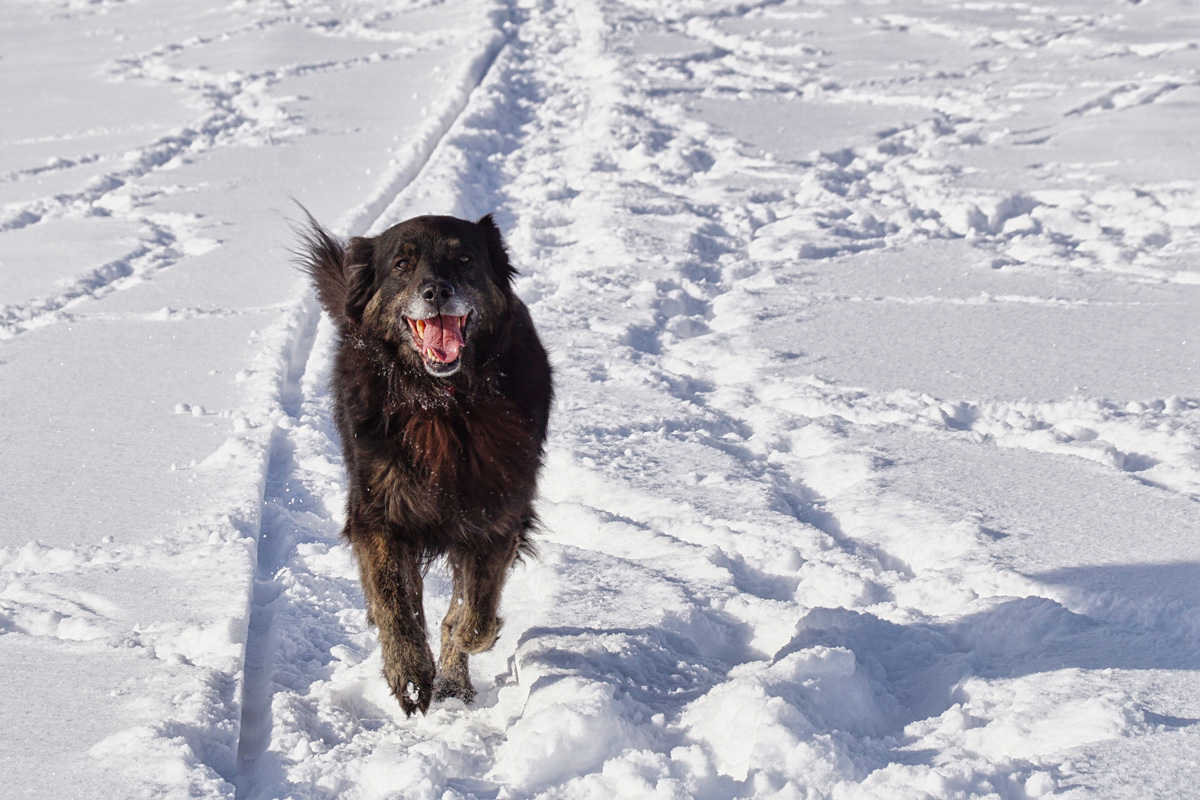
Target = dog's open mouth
(439,340)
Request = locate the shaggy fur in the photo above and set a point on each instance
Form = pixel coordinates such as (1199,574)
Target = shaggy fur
(442,392)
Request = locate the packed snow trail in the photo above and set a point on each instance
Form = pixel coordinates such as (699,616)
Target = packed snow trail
(875,466)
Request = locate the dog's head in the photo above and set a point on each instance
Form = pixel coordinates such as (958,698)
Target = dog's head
(432,286)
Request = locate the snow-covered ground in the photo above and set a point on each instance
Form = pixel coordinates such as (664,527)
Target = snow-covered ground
(875,467)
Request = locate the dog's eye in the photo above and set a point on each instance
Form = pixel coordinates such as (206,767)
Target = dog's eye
(463,259)
(403,263)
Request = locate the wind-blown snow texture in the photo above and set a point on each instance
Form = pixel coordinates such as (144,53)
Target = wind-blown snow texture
(875,468)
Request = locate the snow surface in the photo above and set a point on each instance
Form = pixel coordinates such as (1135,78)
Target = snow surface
(875,465)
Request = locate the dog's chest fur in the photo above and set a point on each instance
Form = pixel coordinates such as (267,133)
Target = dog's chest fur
(459,464)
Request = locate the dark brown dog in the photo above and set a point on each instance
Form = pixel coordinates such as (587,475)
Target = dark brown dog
(442,393)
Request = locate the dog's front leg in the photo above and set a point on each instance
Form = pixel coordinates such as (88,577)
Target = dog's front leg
(472,623)
(454,677)
(392,584)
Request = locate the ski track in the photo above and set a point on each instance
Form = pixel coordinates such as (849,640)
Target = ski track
(291,528)
(734,599)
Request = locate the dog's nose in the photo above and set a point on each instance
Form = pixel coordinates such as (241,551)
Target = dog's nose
(437,290)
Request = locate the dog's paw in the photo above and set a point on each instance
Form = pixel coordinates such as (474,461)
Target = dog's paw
(445,688)
(475,636)
(412,683)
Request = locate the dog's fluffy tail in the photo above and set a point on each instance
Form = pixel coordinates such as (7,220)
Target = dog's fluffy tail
(322,256)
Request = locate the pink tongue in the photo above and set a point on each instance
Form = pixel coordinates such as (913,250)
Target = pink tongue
(443,337)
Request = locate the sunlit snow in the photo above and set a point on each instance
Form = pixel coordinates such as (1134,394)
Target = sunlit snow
(875,466)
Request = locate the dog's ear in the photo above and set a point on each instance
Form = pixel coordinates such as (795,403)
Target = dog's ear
(359,268)
(502,269)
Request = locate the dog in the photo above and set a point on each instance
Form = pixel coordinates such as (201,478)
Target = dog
(441,395)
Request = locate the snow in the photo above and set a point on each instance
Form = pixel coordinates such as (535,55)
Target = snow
(875,462)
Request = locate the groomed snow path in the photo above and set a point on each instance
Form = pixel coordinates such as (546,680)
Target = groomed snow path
(875,466)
